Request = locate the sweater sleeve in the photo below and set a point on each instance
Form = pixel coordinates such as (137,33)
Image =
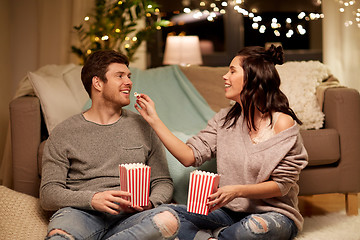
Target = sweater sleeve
(204,144)
(53,192)
(287,172)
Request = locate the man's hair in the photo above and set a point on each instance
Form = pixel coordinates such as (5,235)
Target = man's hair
(97,65)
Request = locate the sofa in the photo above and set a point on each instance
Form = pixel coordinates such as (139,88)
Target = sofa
(333,147)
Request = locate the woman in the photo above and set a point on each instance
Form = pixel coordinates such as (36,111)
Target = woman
(259,155)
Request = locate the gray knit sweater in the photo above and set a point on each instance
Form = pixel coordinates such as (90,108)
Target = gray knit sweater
(81,158)
(239,161)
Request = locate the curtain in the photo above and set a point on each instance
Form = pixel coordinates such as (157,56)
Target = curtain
(341,46)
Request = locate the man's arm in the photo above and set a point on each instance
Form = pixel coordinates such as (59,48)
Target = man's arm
(53,191)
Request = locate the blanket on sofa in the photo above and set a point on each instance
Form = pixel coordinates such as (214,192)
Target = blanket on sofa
(179,105)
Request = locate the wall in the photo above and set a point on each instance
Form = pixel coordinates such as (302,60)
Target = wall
(18,47)
(5,80)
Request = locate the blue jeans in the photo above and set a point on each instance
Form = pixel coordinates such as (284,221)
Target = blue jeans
(226,224)
(89,224)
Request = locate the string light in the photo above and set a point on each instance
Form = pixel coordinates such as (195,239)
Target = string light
(301,15)
(301,29)
(210,10)
(262,29)
(187,10)
(347,6)
(257,19)
(289,33)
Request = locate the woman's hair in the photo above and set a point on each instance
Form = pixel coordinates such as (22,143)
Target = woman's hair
(261,89)
(97,65)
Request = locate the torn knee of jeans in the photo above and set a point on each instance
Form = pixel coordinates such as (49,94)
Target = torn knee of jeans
(258,225)
(167,223)
(59,232)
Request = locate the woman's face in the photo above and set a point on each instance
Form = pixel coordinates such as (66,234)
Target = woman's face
(234,80)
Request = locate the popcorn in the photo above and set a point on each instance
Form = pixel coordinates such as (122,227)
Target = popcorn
(201,186)
(137,95)
(135,179)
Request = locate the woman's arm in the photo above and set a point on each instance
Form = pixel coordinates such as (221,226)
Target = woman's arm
(226,194)
(182,152)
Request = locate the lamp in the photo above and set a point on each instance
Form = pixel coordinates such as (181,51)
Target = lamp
(182,50)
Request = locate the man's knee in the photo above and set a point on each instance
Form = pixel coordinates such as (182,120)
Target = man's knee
(167,223)
(61,233)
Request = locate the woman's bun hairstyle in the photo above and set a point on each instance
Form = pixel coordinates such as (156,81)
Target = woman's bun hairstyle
(276,54)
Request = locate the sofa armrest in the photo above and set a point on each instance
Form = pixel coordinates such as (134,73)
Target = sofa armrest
(342,112)
(25,121)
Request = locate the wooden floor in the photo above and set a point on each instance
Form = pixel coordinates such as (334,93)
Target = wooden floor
(322,204)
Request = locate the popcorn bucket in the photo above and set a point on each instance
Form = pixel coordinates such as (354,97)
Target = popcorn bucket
(135,179)
(201,186)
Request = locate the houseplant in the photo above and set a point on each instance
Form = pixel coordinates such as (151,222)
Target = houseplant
(117,25)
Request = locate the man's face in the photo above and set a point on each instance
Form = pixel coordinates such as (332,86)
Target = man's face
(118,86)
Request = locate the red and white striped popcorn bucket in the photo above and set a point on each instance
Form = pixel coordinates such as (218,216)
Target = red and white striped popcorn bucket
(201,186)
(135,179)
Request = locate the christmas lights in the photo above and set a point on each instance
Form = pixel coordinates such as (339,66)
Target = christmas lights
(211,10)
(350,6)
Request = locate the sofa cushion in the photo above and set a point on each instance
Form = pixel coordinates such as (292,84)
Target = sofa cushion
(323,146)
(60,91)
(21,216)
(299,81)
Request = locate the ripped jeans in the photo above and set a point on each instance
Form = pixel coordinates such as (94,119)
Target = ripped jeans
(226,224)
(89,224)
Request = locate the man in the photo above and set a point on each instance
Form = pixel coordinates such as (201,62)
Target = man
(80,174)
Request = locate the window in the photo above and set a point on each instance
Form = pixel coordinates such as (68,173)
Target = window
(222,38)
